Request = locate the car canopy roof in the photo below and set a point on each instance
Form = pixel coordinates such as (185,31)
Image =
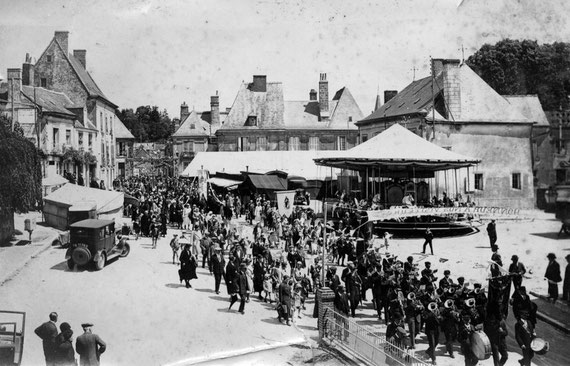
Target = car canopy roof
(92,223)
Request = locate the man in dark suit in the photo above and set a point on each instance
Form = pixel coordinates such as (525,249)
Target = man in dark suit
(285,298)
(243,286)
(553,276)
(48,332)
(218,265)
(89,346)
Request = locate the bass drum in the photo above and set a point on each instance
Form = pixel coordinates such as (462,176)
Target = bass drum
(539,346)
(480,345)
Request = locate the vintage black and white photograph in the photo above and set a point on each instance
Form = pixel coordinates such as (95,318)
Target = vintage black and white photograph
(280,182)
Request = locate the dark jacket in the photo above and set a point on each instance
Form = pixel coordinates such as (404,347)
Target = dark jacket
(242,283)
(89,347)
(47,332)
(64,353)
(187,266)
(341,302)
(524,335)
(285,294)
(218,264)
(553,272)
(231,278)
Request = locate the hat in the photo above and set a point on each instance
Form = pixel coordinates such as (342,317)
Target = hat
(551,256)
(428,264)
(175,235)
(448,303)
(446,272)
(86,325)
(64,326)
(514,257)
(476,285)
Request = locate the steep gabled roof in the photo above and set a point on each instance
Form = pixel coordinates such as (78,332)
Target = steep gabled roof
(266,106)
(530,107)
(345,112)
(121,131)
(194,125)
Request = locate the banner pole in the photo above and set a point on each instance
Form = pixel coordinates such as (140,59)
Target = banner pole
(324,242)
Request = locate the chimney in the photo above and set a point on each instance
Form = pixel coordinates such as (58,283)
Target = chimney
(62,37)
(14,77)
(81,56)
(215,109)
(259,83)
(183,112)
(28,72)
(313,95)
(389,94)
(437,66)
(452,89)
(324,96)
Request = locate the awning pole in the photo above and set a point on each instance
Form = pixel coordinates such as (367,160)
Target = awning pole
(414,180)
(456,188)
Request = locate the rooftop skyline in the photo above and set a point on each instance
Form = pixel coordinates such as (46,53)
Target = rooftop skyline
(150,53)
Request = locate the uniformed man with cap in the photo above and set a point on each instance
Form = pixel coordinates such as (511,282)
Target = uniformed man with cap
(89,346)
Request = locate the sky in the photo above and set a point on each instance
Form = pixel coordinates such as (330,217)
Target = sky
(163,53)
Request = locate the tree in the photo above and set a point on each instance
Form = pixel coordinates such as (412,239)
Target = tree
(525,67)
(147,124)
(21,177)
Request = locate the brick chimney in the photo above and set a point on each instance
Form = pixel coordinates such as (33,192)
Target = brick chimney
(437,66)
(313,95)
(389,94)
(452,88)
(183,111)
(324,96)
(28,71)
(62,37)
(81,56)
(259,83)
(14,77)
(215,110)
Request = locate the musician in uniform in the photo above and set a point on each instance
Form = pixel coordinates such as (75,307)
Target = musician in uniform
(553,276)
(517,270)
(395,332)
(524,333)
(450,320)
(523,307)
(413,311)
(428,277)
(496,329)
(464,332)
(353,284)
(446,281)
(432,319)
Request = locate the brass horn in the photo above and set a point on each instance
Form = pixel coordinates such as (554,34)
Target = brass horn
(411,296)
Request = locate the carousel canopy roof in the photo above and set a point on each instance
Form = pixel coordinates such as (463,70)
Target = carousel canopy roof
(397,149)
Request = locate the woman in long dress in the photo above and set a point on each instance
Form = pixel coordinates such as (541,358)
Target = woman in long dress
(188,266)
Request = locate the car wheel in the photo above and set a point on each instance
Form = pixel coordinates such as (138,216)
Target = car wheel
(70,263)
(126,250)
(81,256)
(101,262)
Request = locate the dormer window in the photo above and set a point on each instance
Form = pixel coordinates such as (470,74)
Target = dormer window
(251,120)
(49,58)
(192,126)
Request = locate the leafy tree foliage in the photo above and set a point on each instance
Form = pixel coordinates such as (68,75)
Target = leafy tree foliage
(147,124)
(20,167)
(525,67)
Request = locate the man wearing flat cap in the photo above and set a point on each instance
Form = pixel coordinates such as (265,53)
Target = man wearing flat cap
(553,276)
(89,346)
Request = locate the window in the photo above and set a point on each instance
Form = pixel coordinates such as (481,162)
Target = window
(251,121)
(186,146)
(68,137)
(55,137)
(199,146)
(43,82)
(341,143)
(314,143)
(479,181)
(90,140)
(560,176)
(192,126)
(294,143)
(261,143)
(364,138)
(80,139)
(49,58)
(106,124)
(101,121)
(516,181)
(242,144)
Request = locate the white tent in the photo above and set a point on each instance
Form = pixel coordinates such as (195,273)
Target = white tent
(108,204)
(299,163)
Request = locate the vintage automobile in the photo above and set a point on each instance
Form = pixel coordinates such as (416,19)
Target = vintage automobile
(12,326)
(94,240)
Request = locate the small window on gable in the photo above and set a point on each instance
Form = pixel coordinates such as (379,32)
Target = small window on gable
(251,121)
(43,82)
(192,126)
(49,58)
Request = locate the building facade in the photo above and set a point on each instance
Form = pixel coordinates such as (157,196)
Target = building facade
(57,69)
(455,109)
(261,120)
(196,133)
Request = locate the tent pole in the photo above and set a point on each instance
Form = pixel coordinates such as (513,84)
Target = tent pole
(456,188)
(446,187)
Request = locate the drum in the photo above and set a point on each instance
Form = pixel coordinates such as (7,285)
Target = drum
(480,345)
(539,346)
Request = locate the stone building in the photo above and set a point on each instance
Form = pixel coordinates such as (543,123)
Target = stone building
(457,110)
(196,132)
(261,120)
(124,140)
(65,138)
(57,69)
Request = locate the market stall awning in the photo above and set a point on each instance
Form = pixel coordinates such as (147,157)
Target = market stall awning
(269,182)
(397,149)
(222,182)
(54,180)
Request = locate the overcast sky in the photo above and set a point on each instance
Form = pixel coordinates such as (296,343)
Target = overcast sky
(162,53)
